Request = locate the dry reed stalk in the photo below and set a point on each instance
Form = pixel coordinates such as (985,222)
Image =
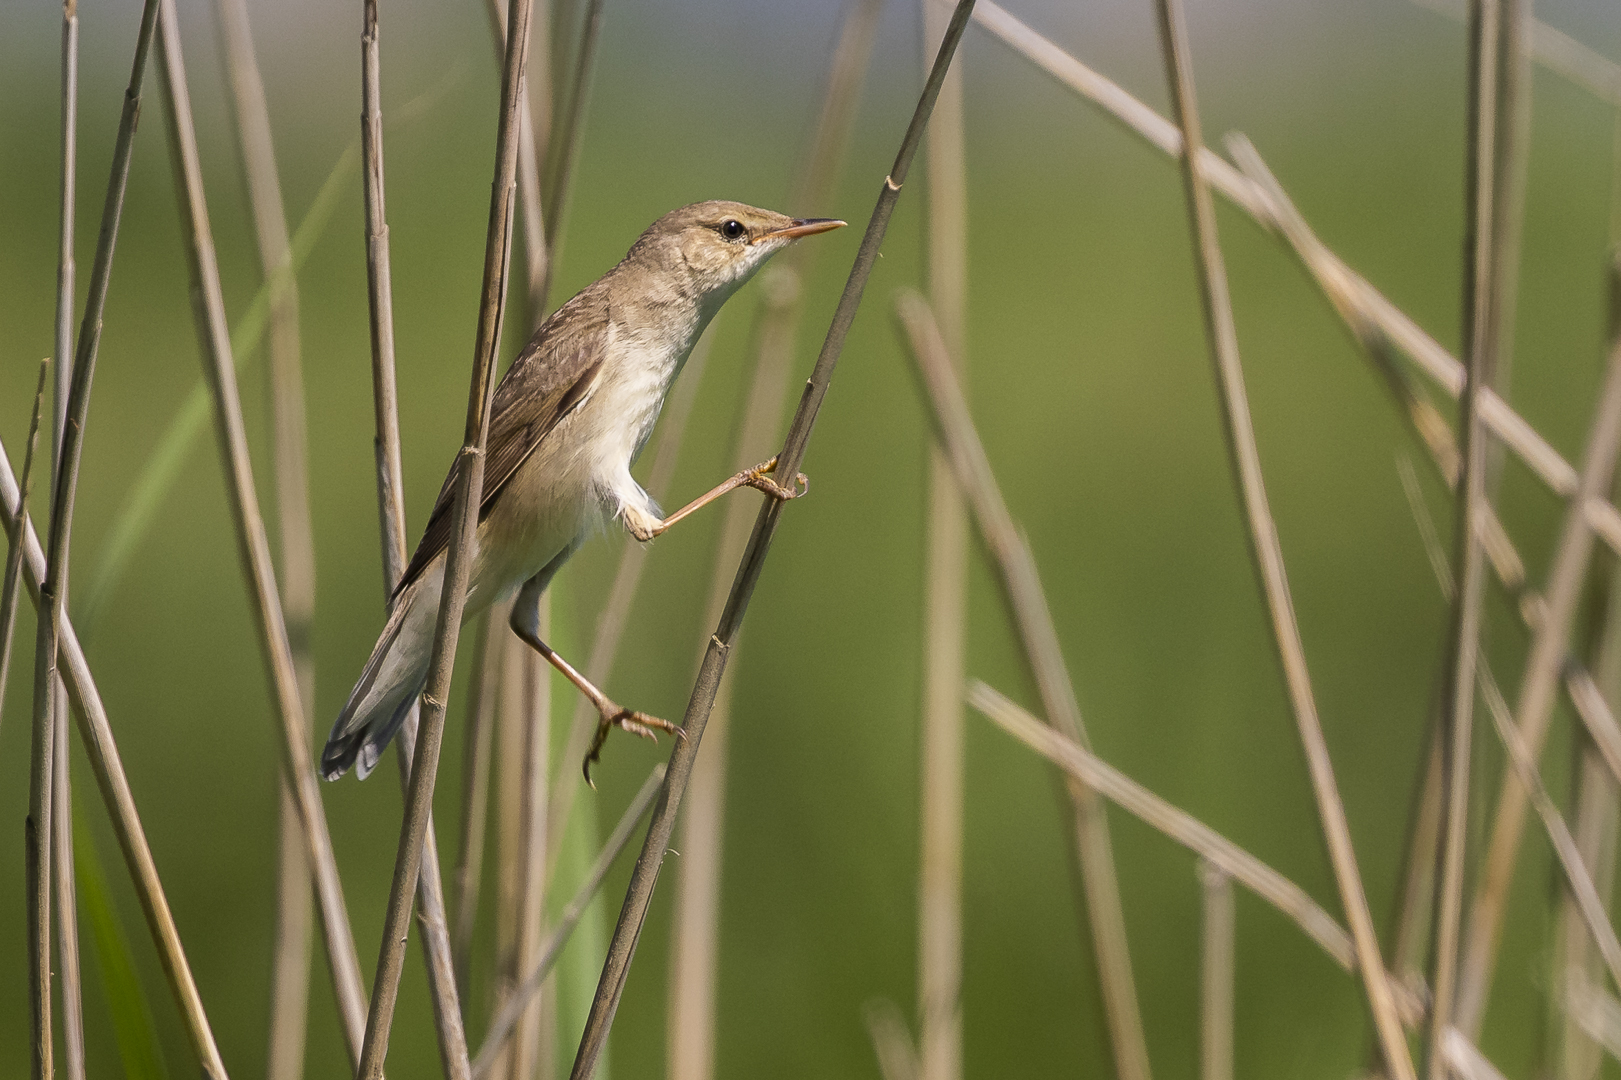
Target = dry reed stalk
(1464,1058)
(435,931)
(945,632)
(14,537)
(1575,961)
(253,546)
(694,942)
(891,1042)
(1021,585)
(38,836)
(1580,882)
(1598,820)
(96,733)
(468,873)
(513,736)
(1183,828)
(565,147)
(1352,294)
(531,163)
(1556,51)
(1265,547)
(290,969)
(529,910)
(1539,689)
(1216,974)
(513,1009)
(492,662)
(37,833)
(1597,1013)
(469,485)
(1426,420)
(62,859)
(1483,268)
(644,877)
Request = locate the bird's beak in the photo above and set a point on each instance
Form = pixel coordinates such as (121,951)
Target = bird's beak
(804,227)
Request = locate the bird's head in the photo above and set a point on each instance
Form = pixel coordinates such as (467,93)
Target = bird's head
(717,246)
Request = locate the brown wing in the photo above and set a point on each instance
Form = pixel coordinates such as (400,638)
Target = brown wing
(545,383)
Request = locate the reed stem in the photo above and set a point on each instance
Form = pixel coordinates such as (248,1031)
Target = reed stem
(622,947)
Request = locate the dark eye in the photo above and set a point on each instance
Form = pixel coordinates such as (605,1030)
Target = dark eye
(732,230)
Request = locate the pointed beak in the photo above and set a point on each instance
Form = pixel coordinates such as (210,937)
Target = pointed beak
(803,227)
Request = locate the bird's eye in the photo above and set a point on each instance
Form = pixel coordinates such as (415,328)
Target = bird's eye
(732,230)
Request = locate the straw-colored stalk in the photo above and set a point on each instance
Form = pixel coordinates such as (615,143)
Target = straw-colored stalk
(1575,962)
(1216,974)
(1539,689)
(253,545)
(945,630)
(39,839)
(1183,828)
(891,1041)
(1482,270)
(694,943)
(622,947)
(1266,550)
(491,1053)
(1560,53)
(1353,296)
(1021,585)
(62,858)
(435,930)
(458,567)
(162,471)
(290,969)
(14,534)
(95,732)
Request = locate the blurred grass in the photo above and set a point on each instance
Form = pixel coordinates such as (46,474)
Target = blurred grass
(1092,390)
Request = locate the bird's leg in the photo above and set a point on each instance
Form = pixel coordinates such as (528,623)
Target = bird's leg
(525,622)
(644,528)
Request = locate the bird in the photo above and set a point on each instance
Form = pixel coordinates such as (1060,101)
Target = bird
(567,421)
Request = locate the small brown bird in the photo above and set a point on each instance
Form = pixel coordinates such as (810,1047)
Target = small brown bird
(568,420)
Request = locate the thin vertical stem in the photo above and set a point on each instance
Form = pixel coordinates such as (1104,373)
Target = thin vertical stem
(41,776)
(290,970)
(102,749)
(1576,963)
(534,111)
(1265,547)
(1216,975)
(1021,585)
(945,628)
(15,533)
(566,145)
(52,588)
(567,919)
(436,952)
(532,855)
(1457,710)
(480,724)
(1539,689)
(253,545)
(62,859)
(458,565)
(622,947)
(694,943)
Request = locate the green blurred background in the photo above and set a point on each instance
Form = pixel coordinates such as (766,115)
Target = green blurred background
(1091,386)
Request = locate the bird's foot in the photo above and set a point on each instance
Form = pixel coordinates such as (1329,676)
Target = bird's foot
(756,478)
(637,723)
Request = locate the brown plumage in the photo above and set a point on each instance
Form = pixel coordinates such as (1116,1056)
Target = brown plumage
(566,423)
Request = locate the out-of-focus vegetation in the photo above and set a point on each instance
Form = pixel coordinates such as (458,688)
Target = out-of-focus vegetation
(1090,383)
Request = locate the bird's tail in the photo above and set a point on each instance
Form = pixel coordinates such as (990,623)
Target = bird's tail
(388,686)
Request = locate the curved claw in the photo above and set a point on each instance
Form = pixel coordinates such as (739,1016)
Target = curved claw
(637,723)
